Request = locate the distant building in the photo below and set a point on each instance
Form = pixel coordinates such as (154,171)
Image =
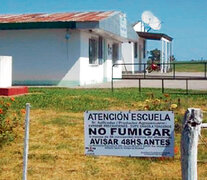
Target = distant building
(136,52)
(65,49)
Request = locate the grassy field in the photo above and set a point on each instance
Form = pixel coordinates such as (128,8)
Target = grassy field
(191,67)
(56,149)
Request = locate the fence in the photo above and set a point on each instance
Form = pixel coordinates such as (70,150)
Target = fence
(161,71)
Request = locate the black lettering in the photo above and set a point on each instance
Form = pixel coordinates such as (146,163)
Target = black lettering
(122,132)
(147,132)
(167,117)
(90,117)
(167,142)
(144,116)
(150,117)
(97,141)
(132,132)
(100,116)
(119,116)
(92,141)
(106,116)
(111,116)
(139,116)
(139,141)
(156,116)
(104,141)
(146,141)
(116,141)
(102,131)
(162,142)
(140,132)
(113,130)
(165,132)
(92,131)
(126,116)
(151,142)
(133,116)
(156,132)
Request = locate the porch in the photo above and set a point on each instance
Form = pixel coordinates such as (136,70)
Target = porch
(166,48)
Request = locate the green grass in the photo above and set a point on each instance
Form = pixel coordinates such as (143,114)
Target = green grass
(61,121)
(185,66)
(80,100)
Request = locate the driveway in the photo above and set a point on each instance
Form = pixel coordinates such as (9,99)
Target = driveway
(175,84)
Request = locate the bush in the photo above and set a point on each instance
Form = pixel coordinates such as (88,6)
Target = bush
(9,120)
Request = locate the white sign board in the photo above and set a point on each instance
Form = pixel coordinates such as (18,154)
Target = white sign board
(125,133)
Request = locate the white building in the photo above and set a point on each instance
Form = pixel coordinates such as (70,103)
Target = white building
(135,53)
(64,49)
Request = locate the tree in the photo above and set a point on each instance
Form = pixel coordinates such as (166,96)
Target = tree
(155,55)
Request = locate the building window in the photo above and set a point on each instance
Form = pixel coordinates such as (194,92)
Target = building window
(135,50)
(96,50)
(93,51)
(115,52)
(100,50)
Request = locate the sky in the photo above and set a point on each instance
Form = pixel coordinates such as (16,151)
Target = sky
(184,20)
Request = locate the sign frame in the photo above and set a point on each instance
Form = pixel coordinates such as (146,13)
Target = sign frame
(129,133)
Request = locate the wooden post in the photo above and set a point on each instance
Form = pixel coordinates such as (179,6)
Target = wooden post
(189,143)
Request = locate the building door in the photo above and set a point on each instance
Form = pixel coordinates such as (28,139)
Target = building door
(140,57)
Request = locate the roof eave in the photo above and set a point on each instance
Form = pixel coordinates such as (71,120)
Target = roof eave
(37,25)
(154,36)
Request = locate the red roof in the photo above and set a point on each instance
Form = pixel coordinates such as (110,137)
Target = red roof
(56,17)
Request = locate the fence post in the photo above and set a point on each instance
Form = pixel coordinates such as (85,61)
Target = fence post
(189,142)
(163,88)
(26,142)
(144,71)
(173,70)
(112,78)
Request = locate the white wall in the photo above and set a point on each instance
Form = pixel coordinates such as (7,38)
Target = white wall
(128,56)
(72,77)
(40,56)
(117,70)
(5,71)
(139,27)
(141,53)
(91,74)
(46,57)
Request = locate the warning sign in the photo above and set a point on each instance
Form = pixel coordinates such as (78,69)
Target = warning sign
(131,133)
